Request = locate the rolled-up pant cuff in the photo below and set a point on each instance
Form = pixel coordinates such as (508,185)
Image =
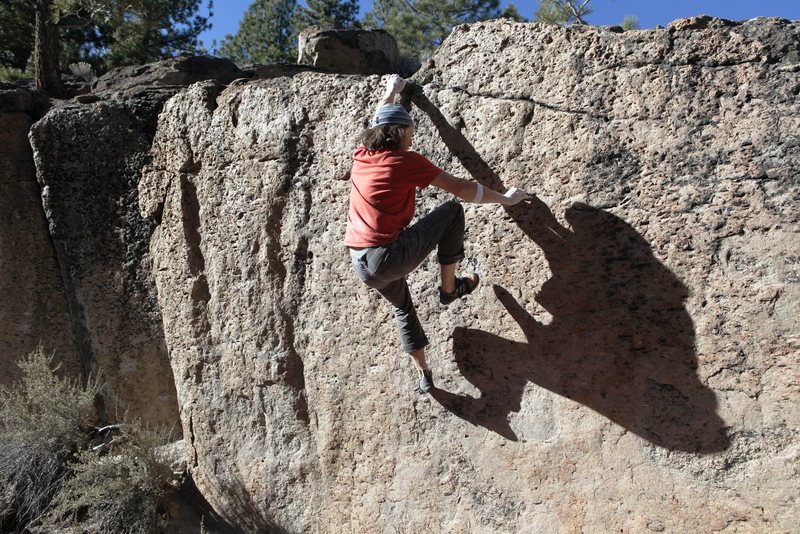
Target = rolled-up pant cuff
(450,260)
(417,345)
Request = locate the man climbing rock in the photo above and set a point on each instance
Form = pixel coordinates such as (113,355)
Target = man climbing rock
(383,248)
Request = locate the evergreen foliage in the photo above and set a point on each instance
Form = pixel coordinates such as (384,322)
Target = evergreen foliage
(551,12)
(16,33)
(105,33)
(420,26)
(565,12)
(154,30)
(335,14)
(267,34)
(511,12)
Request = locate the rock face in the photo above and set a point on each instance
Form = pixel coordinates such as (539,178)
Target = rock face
(349,51)
(629,362)
(89,157)
(33,308)
(180,71)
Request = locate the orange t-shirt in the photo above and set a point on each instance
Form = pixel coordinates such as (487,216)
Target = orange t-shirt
(383,187)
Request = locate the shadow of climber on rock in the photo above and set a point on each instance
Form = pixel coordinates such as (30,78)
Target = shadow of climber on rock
(620,341)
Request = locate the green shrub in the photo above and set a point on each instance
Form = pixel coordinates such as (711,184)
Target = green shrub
(116,486)
(58,469)
(9,74)
(44,419)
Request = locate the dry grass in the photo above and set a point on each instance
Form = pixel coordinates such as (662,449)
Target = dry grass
(115,486)
(58,469)
(43,421)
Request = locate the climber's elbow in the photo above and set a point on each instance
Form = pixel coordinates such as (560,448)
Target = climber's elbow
(463,189)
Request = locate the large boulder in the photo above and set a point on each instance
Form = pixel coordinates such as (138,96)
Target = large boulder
(629,362)
(89,160)
(179,71)
(33,307)
(89,155)
(349,51)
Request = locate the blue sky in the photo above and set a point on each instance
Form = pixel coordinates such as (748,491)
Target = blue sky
(651,13)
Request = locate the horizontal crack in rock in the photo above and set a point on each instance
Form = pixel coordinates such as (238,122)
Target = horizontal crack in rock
(529,100)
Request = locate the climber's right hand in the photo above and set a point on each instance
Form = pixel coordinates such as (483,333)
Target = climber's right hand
(515,196)
(394,84)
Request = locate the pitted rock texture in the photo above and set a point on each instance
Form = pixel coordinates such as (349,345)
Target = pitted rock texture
(89,156)
(89,160)
(629,362)
(33,308)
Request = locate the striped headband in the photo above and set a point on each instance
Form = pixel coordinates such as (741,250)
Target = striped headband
(392,114)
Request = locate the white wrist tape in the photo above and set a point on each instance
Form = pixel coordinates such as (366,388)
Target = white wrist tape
(478,194)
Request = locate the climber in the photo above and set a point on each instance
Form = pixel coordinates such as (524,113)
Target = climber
(383,248)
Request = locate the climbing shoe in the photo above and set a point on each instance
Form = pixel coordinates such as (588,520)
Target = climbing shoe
(464,286)
(426,382)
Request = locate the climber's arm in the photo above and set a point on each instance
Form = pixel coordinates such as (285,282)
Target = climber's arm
(394,84)
(477,193)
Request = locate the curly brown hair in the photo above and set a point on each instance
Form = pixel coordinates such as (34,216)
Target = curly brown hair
(383,137)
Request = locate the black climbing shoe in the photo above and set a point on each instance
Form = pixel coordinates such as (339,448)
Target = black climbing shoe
(464,286)
(426,382)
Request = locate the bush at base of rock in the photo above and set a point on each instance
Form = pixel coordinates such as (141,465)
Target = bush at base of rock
(59,470)
(43,419)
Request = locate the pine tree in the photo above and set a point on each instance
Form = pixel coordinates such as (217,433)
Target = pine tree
(267,34)
(511,12)
(16,33)
(565,12)
(156,29)
(336,14)
(562,11)
(107,33)
(420,26)
(45,49)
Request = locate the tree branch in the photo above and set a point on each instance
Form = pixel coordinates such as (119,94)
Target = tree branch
(578,12)
(109,428)
(105,445)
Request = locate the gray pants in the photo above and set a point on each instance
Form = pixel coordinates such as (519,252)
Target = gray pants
(384,268)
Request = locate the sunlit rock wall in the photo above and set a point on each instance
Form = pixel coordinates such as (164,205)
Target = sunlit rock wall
(629,362)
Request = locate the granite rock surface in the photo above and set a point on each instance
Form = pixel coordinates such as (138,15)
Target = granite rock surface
(179,71)
(88,160)
(630,361)
(88,155)
(33,307)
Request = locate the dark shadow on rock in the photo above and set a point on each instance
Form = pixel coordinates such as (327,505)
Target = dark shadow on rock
(251,516)
(620,342)
(188,510)
(492,408)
